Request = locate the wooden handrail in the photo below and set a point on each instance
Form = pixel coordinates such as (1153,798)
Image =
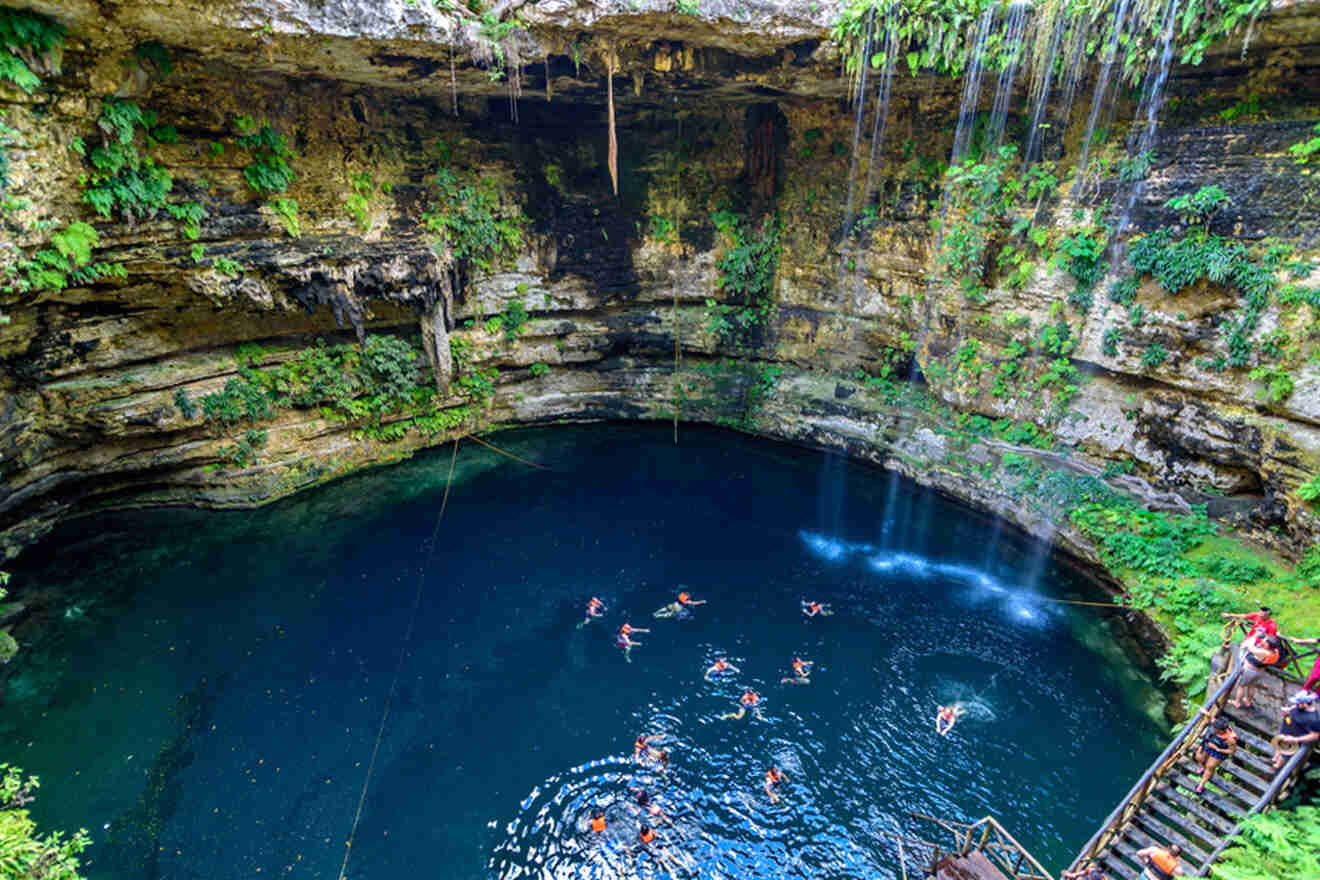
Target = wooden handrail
(1169,756)
(997,850)
(1263,803)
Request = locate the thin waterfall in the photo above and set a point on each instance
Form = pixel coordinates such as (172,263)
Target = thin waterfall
(972,87)
(1075,65)
(857,127)
(1040,92)
(1152,100)
(1102,80)
(881,123)
(1017,23)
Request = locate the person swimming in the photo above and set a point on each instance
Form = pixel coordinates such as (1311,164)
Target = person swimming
(624,641)
(947,716)
(773,777)
(650,807)
(720,667)
(811,609)
(749,700)
(595,608)
(801,672)
(683,601)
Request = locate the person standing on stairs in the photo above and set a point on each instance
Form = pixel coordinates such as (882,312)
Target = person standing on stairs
(1257,655)
(1217,745)
(1090,872)
(1160,862)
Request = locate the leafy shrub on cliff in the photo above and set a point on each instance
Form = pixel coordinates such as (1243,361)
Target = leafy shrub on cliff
(1310,491)
(268,172)
(66,260)
(126,180)
(468,221)
(24,36)
(24,853)
(747,274)
(240,400)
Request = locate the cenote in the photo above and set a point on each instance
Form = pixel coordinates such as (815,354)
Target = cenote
(210,685)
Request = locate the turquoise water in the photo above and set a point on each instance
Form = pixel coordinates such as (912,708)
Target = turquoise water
(209,687)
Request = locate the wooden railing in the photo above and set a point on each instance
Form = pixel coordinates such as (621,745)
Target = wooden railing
(992,840)
(1151,779)
(1292,656)
(1283,780)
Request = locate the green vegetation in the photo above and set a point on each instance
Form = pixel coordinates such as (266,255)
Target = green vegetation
(747,276)
(469,223)
(287,211)
(268,173)
(1304,151)
(64,261)
(383,388)
(359,200)
(23,36)
(126,181)
(1310,491)
(26,854)
(538,369)
(226,266)
(1273,845)
(1153,356)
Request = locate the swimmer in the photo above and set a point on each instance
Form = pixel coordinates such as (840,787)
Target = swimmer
(650,807)
(773,777)
(811,609)
(623,640)
(676,607)
(947,716)
(642,745)
(595,608)
(647,834)
(720,667)
(749,700)
(801,672)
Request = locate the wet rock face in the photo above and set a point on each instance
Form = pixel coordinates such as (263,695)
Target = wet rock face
(633,306)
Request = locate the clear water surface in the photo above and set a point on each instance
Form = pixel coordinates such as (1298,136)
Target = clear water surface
(210,686)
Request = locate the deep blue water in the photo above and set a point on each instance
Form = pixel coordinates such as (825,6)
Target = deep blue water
(256,649)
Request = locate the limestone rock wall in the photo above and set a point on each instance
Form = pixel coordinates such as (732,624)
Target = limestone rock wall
(739,108)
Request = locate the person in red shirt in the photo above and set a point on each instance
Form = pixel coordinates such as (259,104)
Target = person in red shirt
(1262,623)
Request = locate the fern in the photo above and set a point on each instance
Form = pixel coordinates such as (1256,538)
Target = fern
(287,211)
(1283,843)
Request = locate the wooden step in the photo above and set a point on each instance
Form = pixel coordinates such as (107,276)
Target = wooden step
(1142,840)
(1225,804)
(1188,839)
(1223,781)
(1244,774)
(1180,803)
(1119,868)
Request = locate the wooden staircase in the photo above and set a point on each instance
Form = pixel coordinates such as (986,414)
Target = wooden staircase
(1164,808)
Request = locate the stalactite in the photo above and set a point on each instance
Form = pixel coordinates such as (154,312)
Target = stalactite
(610,62)
(549,91)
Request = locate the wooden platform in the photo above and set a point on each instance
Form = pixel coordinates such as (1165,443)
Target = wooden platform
(973,866)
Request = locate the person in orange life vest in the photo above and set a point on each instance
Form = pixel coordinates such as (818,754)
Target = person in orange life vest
(811,609)
(773,777)
(1300,723)
(749,700)
(947,716)
(1161,862)
(1259,654)
(801,672)
(1217,745)
(647,834)
(623,640)
(720,667)
(598,822)
(595,608)
(684,600)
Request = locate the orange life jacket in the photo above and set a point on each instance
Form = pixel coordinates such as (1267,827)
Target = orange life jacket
(798,666)
(598,824)
(721,664)
(1164,862)
(750,699)
(684,598)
